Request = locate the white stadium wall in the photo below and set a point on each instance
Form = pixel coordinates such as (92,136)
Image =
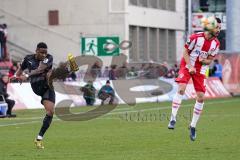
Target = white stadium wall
(160,19)
(147,17)
(22,93)
(28,22)
(179,45)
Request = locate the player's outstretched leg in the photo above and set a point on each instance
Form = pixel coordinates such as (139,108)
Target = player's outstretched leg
(62,71)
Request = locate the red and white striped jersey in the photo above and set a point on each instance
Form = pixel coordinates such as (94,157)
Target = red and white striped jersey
(198,46)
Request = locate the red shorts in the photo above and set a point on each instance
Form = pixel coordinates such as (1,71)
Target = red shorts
(197,78)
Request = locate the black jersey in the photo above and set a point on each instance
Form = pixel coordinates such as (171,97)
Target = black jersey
(37,73)
(37,69)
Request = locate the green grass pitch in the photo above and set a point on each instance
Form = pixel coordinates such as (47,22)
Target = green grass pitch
(128,133)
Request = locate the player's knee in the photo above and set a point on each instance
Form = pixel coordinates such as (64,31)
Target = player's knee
(50,112)
(200,99)
(181,91)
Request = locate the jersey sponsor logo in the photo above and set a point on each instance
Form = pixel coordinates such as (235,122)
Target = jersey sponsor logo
(202,54)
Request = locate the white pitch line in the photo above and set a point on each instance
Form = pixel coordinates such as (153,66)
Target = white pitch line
(23,123)
(115,113)
(131,110)
(168,107)
(34,118)
(16,124)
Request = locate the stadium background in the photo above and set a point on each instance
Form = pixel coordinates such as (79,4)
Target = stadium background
(156,28)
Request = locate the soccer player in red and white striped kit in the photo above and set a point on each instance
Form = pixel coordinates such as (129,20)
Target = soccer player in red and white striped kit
(199,51)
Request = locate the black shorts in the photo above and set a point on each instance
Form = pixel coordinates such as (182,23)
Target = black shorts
(41,88)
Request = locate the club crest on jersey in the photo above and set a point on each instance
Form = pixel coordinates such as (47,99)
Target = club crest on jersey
(45,60)
(188,41)
(211,50)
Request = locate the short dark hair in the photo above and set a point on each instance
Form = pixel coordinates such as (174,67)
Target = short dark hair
(107,82)
(218,20)
(42,45)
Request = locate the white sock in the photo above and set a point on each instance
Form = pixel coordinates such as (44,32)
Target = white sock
(196,113)
(39,137)
(177,100)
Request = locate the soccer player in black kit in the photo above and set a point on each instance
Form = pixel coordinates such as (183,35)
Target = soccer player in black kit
(39,66)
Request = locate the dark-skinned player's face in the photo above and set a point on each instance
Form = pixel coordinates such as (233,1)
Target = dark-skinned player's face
(41,53)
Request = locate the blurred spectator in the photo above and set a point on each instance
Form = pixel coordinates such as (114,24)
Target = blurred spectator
(89,92)
(165,63)
(112,72)
(3,41)
(96,70)
(106,92)
(172,72)
(106,72)
(217,70)
(132,72)
(176,70)
(151,71)
(161,70)
(5,54)
(122,71)
(143,67)
(12,70)
(3,92)
(142,70)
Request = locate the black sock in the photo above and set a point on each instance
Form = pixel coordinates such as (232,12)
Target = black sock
(46,123)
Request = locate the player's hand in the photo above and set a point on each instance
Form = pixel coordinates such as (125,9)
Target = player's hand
(19,79)
(14,78)
(191,70)
(202,60)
